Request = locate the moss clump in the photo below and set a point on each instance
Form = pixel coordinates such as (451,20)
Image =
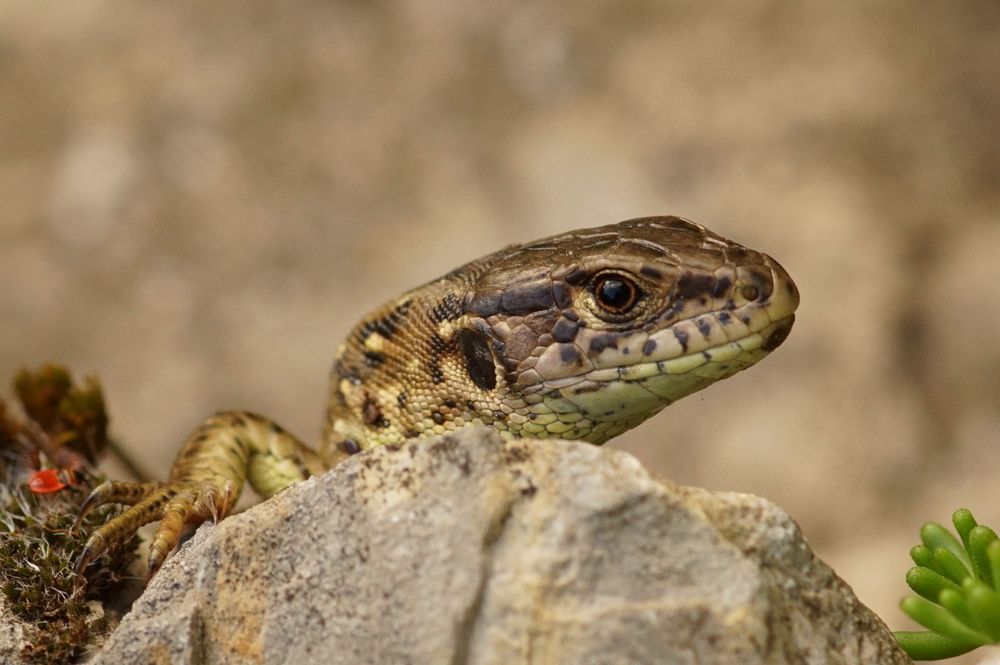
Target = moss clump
(64,428)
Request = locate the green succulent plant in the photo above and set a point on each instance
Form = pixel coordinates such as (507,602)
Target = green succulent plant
(957,582)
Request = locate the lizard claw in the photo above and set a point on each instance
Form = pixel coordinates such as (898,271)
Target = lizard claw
(205,482)
(94,547)
(153,563)
(218,500)
(174,504)
(191,505)
(145,500)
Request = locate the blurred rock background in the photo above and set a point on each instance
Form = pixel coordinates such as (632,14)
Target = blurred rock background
(197,200)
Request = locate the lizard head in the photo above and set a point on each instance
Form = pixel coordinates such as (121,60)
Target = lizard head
(590,332)
(580,336)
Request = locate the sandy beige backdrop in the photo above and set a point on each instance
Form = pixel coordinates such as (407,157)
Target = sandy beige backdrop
(197,199)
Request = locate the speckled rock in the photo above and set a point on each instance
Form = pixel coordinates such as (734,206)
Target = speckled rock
(472,549)
(12,635)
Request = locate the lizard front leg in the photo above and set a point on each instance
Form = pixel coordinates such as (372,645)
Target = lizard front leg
(205,482)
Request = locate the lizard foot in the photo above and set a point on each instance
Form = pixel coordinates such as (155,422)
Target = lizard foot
(174,504)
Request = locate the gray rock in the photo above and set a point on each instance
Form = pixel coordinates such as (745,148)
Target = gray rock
(473,549)
(13,636)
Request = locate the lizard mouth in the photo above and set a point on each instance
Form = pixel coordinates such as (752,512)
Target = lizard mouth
(605,402)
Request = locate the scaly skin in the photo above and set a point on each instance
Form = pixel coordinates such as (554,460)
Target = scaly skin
(578,336)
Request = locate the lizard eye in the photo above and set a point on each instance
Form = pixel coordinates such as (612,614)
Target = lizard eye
(615,294)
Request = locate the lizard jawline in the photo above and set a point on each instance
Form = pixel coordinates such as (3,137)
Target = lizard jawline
(637,392)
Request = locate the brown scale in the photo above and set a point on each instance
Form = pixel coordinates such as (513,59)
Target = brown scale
(472,348)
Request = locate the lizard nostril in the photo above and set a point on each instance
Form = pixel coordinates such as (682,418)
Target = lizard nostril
(757,284)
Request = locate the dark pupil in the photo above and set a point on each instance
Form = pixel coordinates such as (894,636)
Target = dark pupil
(615,294)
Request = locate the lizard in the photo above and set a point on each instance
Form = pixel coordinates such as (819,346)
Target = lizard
(581,335)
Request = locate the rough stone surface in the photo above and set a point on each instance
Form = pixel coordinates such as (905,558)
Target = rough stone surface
(12,635)
(473,549)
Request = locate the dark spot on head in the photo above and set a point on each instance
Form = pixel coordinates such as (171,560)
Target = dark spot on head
(345,371)
(724,317)
(437,344)
(450,403)
(779,334)
(650,271)
(448,308)
(472,405)
(387,325)
(350,446)
(371,414)
(704,327)
(626,351)
(485,304)
(561,294)
(691,285)
(401,399)
(568,353)
(475,347)
(437,348)
(438,418)
(411,434)
(600,342)
(722,286)
(373,358)
(737,253)
(682,337)
(649,347)
(400,310)
(676,305)
(564,330)
(576,277)
(525,298)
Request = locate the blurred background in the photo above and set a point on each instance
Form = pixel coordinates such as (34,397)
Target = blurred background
(199,200)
